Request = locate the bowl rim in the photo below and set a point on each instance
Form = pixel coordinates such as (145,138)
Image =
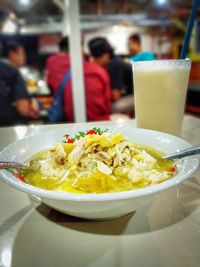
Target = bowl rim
(102,197)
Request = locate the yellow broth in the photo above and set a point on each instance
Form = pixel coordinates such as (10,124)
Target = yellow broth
(93,184)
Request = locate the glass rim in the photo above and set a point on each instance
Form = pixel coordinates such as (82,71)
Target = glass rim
(162,64)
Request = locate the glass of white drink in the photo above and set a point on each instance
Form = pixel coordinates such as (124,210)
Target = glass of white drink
(160,89)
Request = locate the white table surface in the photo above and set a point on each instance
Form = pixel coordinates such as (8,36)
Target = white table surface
(163,234)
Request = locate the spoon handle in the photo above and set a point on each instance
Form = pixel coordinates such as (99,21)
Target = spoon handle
(184,153)
(11,165)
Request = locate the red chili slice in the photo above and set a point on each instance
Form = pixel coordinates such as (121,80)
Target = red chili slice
(19,176)
(70,141)
(173,169)
(91,132)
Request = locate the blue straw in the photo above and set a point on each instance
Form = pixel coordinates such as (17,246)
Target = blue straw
(184,50)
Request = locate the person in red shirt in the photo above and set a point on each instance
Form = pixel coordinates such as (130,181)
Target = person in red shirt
(97,85)
(120,73)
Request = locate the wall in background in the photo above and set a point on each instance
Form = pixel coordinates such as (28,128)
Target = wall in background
(117,35)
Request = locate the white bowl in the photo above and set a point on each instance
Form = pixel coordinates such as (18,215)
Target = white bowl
(97,206)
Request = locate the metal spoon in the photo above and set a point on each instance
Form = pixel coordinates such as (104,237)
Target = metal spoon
(13,165)
(184,153)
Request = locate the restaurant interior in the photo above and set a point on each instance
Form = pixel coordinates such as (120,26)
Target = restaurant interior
(39,26)
(99,133)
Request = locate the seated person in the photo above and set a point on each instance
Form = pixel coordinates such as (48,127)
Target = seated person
(14,100)
(121,76)
(135,49)
(97,85)
(119,71)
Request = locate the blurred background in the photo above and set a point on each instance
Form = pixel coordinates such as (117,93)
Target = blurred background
(40,25)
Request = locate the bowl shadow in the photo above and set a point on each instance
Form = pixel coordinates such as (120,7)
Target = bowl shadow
(145,220)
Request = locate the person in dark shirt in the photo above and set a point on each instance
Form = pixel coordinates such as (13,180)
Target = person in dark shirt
(15,106)
(121,77)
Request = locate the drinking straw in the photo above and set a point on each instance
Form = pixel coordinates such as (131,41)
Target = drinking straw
(184,50)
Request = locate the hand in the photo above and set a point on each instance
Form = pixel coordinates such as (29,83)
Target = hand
(34,109)
(116,95)
(119,117)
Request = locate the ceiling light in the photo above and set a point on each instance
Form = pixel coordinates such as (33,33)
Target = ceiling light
(9,27)
(161,2)
(116,28)
(12,16)
(24,2)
